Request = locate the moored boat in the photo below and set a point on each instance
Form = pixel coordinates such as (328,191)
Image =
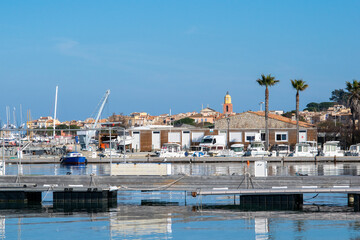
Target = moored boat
(73,158)
(332,149)
(256,149)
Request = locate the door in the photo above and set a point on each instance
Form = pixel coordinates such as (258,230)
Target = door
(155,140)
(302,135)
(136,141)
(224,133)
(185,141)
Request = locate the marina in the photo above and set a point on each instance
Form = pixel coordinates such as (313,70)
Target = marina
(179,120)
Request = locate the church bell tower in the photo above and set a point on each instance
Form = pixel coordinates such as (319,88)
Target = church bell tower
(227,106)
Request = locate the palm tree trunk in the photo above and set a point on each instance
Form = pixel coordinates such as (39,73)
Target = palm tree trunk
(353,127)
(266,118)
(297,117)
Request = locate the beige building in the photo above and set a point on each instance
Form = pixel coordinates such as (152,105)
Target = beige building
(249,126)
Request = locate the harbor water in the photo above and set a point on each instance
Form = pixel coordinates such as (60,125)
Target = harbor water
(207,169)
(177,215)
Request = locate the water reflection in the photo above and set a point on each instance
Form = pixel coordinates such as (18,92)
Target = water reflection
(197,169)
(261,229)
(178,222)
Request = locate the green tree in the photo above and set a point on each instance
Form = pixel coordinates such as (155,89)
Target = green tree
(339,96)
(299,85)
(317,107)
(186,120)
(267,81)
(291,113)
(312,107)
(323,106)
(353,102)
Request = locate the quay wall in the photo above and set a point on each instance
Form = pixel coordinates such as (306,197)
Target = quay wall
(186,183)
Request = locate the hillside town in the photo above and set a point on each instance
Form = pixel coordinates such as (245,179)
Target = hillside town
(149,133)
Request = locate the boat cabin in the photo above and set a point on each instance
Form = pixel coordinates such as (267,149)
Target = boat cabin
(171,150)
(238,149)
(280,150)
(332,149)
(256,149)
(354,150)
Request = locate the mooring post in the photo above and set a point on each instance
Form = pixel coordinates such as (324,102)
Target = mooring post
(185,197)
(335,160)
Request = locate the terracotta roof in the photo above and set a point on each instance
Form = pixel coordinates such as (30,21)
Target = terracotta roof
(283,119)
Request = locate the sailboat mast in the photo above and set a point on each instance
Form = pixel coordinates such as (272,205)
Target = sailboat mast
(56,93)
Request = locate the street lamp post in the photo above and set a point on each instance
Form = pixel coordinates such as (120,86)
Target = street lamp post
(124,146)
(110,152)
(227,141)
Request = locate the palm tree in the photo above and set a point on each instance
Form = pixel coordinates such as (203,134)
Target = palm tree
(299,85)
(353,102)
(267,81)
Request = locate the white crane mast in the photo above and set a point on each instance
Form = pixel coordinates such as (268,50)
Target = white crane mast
(91,133)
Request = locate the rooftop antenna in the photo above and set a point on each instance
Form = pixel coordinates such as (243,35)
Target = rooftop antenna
(56,94)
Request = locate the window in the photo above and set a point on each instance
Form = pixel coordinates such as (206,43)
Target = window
(263,137)
(227,108)
(281,137)
(250,136)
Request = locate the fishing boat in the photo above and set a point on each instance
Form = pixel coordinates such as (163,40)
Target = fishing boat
(354,150)
(171,150)
(280,150)
(73,158)
(332,149)
(256,149)
(305,149)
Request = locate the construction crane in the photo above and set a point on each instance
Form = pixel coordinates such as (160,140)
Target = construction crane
(91,133)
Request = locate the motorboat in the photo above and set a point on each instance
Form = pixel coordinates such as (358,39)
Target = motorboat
(238,149)
(198,151)
(226,153)
(354,150)
(280,150)
(256,149)
(124,140)
(111,153)
(73,158)
(306,149)
(171,150)
(332,149)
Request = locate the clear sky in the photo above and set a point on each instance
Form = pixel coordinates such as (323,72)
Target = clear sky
(156,55)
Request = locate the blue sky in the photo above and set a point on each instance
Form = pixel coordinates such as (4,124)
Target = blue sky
(157,55)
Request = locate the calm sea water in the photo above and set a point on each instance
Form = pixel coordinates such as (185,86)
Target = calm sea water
(183,217)
(196,169)
(175,215)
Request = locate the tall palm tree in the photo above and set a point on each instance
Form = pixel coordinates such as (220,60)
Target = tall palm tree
(267,81)
(353,102)
(299,85)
